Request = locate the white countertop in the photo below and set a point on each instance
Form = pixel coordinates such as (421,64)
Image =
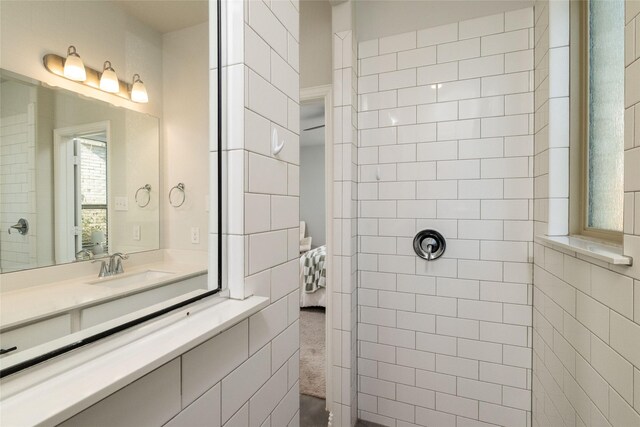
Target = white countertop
(21,306)
(88,375)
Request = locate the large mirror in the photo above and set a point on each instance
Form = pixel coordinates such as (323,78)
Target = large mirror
(87,172)
(78,177)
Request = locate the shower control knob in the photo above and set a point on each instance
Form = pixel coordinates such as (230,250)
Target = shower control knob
(429,244)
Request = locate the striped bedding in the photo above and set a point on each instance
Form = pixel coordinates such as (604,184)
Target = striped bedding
(314,271)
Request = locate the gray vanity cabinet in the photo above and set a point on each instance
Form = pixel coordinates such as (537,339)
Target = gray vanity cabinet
(34,334)
(100,313)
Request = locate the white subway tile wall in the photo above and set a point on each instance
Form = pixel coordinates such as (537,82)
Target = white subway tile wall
(450,148)
(18,197)
(586,314)
(260,386)
(218,383)
(345,117)
(551,86)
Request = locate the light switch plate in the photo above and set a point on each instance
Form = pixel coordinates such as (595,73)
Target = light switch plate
(121,203)
(136,232)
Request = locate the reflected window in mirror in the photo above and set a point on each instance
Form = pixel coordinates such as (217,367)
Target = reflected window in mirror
(93,193)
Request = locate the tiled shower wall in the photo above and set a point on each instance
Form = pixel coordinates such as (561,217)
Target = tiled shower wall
(586,318)
(17,179)
(446,142)
(551,148)
(261,96)
(343,295)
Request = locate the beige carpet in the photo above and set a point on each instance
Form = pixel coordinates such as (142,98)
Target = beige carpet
(312,349)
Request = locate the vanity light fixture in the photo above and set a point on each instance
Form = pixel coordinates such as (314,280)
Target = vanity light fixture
(138,90)
(109,80)
(73,66)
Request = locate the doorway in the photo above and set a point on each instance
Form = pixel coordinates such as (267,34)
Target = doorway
(81,164)
(316,157)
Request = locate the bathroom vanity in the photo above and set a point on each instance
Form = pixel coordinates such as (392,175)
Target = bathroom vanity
(72,307)
(81,181)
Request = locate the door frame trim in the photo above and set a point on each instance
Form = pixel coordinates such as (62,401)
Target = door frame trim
(316,93)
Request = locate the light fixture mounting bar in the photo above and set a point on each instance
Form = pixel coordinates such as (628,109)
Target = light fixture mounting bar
(55,65)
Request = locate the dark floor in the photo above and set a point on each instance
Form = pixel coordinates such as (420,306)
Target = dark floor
(363,423)
(313,414)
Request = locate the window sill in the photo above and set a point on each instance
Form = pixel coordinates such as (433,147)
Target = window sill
(612,254)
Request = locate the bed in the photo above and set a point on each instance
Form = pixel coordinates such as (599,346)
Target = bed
(313,292)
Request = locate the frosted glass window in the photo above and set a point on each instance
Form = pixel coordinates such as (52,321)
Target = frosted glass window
(606,115)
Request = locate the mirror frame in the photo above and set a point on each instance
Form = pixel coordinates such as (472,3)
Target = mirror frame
(211,292)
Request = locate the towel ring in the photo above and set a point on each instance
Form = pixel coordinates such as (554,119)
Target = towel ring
(179,187)
(146,188)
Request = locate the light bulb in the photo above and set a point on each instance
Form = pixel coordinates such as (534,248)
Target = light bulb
(138,91)
(109,80)
(73,66)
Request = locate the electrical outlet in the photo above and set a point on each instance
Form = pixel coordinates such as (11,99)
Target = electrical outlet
(195,235)
(121,203)
(136,232)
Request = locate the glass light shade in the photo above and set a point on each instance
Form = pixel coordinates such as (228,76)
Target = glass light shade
(139,91)
(109,80)
(74,67)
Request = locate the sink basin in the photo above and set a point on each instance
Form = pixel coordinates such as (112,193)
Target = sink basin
(132,279)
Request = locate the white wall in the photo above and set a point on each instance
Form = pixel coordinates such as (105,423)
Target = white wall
(99,30)
(133,161)
(342,360)
(382,18)
(315,42)
(446,142)
(551,205)
(586,317)
(185,60)
(312,193)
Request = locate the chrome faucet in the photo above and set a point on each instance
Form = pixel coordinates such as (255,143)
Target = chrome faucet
(114,267)
(83,254)
(104,270)
(115,263)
